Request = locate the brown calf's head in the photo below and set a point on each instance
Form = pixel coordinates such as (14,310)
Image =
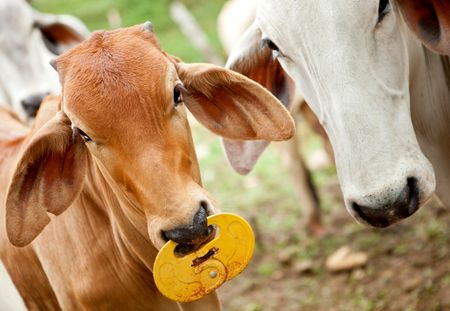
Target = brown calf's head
(122,109)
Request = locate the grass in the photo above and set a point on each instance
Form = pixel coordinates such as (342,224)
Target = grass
(94,15)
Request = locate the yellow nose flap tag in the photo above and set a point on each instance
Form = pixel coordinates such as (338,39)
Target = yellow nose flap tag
(197,274)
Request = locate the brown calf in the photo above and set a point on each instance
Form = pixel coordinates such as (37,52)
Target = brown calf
(114,158)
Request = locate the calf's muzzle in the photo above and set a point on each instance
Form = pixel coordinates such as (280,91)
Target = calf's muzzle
(191,236)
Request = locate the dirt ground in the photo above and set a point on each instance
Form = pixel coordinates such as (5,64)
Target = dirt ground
(408,267)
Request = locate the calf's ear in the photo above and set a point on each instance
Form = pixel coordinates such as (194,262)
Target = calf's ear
(254,60)
(48,177)
(233,106)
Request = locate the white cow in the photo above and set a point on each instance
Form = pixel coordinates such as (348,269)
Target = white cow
(28,41)
(233,20)
(382,97)
(9,296)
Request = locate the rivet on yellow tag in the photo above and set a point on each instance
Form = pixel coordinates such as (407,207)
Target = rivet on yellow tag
(197,274)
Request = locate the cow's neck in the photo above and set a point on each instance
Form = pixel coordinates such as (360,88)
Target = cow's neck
(134,252)
(127,224)
(430,110)
(108,255)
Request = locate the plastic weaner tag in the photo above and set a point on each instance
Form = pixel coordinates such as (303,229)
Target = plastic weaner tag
(197,274)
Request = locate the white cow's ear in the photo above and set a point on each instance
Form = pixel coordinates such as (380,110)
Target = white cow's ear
(48,178)
(251,58)
(233,106)
(254,60)
(60,32)
(430,21)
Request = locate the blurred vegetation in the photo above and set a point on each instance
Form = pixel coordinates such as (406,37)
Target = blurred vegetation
(94,14)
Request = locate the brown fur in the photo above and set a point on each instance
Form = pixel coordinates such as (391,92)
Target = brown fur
(114,195)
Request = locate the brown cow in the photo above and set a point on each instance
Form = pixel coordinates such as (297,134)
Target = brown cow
(114,158)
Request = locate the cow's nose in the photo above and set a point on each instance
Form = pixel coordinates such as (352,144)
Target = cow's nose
(32,103)
(404,206)
(190,236)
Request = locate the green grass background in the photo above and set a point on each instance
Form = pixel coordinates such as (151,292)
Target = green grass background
(94,14)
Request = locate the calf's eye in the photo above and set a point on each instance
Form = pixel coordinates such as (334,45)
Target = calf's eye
(178,91)
(83,135)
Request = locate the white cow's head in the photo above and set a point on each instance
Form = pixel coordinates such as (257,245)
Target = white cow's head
(28,41)
(350,60)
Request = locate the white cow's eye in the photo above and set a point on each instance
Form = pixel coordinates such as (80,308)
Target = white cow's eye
(266,42)
(383,9)
(178,91)
(269,43)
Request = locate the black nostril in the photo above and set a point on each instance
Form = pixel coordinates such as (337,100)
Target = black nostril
(374,217)
(406,204)
(414,195)
(200,218)
(193,234)
(32,103)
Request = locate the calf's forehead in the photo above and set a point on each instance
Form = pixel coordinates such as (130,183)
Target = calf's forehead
(112,82)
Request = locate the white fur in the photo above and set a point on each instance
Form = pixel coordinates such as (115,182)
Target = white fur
(9,296)
(369,84)
(234,18)
(24,58)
